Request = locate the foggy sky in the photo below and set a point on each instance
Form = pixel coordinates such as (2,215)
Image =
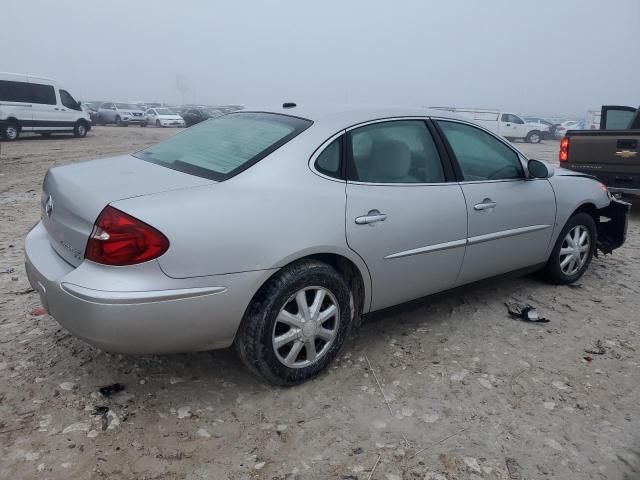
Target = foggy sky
(537,57)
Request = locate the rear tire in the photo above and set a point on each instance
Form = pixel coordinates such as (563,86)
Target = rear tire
(560,268)
(10,132)
(80,130)
(283,341)
(533,137)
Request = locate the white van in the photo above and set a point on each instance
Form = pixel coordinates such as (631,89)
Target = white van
(509,125)
(39,105)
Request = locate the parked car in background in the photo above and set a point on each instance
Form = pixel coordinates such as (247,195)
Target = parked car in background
(164,117)
(92,109)
(193,116)
(196,243)
(547,128)
(611,154)
(509,125)
(121,114)
(561,130)
(39,105)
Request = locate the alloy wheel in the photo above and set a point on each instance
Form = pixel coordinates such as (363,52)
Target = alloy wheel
(575,249)
(306,327)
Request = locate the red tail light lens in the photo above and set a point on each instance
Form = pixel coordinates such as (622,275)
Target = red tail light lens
(120,239)
(564,149)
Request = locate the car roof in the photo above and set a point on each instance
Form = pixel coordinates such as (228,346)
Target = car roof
(343,116)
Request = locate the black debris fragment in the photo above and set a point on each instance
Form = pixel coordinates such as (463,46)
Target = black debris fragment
(596,349)
(524,312)
(102,413)
(109,390)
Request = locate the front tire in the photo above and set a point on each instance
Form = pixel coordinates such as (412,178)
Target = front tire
(573,250)
(158,124)
(80,130)
(533,137)
(10,132)
(296,324)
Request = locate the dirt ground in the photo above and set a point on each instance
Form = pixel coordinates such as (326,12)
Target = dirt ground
(470,393)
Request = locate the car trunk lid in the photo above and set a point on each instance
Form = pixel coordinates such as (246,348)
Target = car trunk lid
(74,195)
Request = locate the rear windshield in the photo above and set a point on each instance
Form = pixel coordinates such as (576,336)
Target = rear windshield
(222,147)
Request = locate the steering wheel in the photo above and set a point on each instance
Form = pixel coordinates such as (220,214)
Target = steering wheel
(497,172)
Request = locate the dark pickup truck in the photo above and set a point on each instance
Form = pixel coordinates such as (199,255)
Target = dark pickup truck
(610,154)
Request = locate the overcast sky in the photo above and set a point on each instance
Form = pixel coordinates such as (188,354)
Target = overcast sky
(538,57)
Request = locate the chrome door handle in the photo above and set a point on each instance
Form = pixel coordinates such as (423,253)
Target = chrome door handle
(372,217)
(485,205)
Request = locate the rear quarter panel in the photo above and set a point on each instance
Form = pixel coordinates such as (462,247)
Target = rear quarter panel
(572,191)
(273,213)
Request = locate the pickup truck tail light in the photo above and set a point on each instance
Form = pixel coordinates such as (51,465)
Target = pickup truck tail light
(120,239)
(564,150)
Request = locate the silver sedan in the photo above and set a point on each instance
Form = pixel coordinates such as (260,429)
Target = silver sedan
(275,231)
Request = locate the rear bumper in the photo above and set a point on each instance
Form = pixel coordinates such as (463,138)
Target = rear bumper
(138,309)
(612,227)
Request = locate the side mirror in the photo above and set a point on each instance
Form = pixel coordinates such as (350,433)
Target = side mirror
(539,169)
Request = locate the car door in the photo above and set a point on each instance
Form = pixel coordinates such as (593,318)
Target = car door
(511,217)
(151,116)
(507,128)
(520,126)
(46,107)
(69,109)
(405,215)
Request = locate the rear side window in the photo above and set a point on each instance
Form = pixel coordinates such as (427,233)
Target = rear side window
(329,161)
(401,151)
(68,101)
(44,94)
(481,156)
(222,147)
(27,92)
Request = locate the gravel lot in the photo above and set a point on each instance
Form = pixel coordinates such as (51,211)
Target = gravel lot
(470,393)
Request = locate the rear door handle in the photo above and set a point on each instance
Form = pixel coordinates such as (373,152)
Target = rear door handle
(486,204)
(372,217)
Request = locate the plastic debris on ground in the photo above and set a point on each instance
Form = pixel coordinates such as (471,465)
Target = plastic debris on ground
(109,390)
(524,312)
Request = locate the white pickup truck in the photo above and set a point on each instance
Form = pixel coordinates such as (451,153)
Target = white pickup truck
(509,125)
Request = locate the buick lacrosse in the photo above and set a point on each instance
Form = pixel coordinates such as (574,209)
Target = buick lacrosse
(276,230)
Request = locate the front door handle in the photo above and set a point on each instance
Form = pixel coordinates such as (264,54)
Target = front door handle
(372,217)
(486,204)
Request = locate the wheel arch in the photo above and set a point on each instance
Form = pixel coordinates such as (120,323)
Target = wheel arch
(15,121)
(348,264)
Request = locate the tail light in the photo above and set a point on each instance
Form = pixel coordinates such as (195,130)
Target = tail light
(564,149)
(120,239)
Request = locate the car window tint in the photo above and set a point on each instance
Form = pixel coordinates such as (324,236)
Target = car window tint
(619,119)
(481,156)
(224,146)
(43,94)
(68,101)
(395,152)
(328,162)
(14,91)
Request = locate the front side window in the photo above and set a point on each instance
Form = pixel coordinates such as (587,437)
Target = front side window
(481,156)
(223,147)
(394,152)
(68,101)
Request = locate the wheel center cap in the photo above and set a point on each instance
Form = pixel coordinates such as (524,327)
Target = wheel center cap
(309,329)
